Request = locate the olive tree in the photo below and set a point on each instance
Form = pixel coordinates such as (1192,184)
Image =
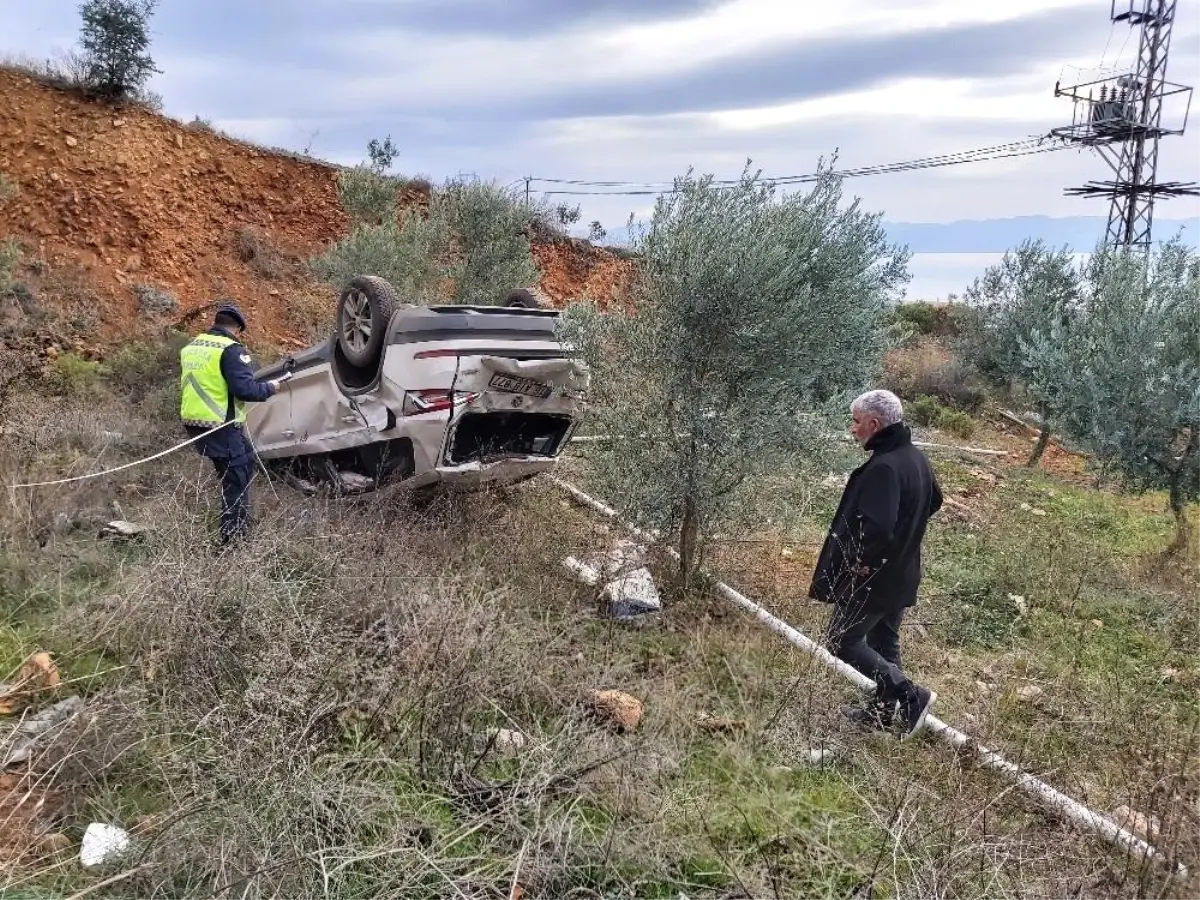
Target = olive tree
(1126,370)
(115,44)
(490,251)
(754,313)
(1031,290)
(367,192)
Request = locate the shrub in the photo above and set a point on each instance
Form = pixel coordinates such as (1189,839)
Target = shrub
(928,369)
(10,248)
(927,411)
(927,319)
(115,42)
(254,249)
(73,376)
(491,254)
(405,252)
(155,300)
(137,369)
(957,422)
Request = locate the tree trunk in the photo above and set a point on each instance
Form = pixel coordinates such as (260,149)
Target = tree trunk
(1042,442)
(1182,526)
(689,535)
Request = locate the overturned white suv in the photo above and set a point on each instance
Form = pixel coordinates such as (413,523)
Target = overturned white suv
(461,396)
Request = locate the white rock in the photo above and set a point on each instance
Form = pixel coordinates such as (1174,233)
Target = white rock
(102,843)
(1019,602)
(1029,692)
(509,741)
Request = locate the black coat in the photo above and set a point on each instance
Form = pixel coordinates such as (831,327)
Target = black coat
(879,524)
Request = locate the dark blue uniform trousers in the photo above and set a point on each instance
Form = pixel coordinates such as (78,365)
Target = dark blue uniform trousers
(233,457)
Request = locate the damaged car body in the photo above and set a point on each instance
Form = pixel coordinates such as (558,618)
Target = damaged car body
(451,396)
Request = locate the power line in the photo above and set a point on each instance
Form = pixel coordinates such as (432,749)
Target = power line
(1028,147)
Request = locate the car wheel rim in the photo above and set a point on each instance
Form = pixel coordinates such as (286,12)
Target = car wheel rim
(356,321)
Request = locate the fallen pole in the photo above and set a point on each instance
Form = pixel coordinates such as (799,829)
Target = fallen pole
(974,451)
(1066,806)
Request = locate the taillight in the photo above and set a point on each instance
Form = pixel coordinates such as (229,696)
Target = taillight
(417,403)
(434,354)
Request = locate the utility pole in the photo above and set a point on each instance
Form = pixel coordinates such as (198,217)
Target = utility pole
(528,179)
(1121,117)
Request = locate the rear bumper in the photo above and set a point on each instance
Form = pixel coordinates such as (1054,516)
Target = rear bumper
(482,474)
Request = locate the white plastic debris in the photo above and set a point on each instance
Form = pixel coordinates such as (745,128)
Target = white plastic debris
(123,529)
(17,747)
(632,594)
(629,590)
(102,843)
(509,741)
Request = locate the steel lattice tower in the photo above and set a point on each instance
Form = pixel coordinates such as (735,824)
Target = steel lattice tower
(1121,116)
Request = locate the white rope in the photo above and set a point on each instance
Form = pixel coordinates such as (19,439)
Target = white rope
(131,465)
(1055,800)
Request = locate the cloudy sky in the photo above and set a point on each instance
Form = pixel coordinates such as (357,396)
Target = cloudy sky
(638,90)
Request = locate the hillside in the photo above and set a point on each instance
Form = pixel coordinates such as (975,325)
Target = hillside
(112,202)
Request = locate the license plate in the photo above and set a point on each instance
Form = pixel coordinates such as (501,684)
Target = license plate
(513,385)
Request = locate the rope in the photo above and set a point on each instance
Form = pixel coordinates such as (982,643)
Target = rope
(131,465)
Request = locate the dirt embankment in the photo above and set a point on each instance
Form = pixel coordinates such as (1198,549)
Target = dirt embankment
(113,202)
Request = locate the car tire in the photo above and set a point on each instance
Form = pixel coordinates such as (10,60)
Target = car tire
(365,306)
(522,298)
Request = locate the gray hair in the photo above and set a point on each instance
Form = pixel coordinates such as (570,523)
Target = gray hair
(882,405)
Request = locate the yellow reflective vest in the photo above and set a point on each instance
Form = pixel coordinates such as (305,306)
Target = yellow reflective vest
(204,394)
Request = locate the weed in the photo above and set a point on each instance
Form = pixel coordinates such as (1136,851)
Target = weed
(155,300)
(266,261)
(928,369)
(74,376)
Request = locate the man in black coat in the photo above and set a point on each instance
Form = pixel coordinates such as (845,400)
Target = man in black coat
(870,565)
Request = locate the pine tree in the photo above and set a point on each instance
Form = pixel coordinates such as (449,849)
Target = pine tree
(1125,372)
(115,46)
(754,313)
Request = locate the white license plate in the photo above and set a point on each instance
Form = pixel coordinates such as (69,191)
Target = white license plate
(513,385)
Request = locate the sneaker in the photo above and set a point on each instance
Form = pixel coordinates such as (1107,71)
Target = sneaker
(914,710)
(874,716)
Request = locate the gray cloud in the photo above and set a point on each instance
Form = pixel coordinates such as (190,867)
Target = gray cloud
(808,70)
(516,18)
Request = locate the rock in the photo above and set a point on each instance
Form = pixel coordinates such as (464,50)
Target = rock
(1096,624)
(1019,602)
(1145,827)
(1029,692)
(102,843)
(179,141)
(37,674)
(820,755)
(617,709)
(508,741)
(983,688)
(70,141)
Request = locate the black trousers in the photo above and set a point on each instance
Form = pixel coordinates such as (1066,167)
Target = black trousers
(235,497)
(869,640)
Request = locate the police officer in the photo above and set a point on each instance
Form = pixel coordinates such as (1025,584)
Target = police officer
(216,383)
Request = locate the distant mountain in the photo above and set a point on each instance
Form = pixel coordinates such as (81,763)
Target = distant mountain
(1080,233)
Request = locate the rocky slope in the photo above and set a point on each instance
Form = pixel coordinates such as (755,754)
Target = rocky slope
(119,211)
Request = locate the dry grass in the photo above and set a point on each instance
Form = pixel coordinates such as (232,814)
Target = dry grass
(298,716)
